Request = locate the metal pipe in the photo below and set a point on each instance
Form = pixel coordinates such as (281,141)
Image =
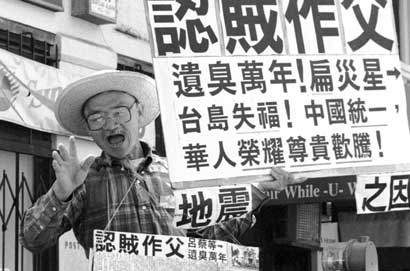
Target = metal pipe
(17,210)
(4,225)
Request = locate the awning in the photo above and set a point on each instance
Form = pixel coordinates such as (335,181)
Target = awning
(385,229)
(28,91)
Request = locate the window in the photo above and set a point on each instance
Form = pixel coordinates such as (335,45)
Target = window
(128,64)
(28,42)
(17,138)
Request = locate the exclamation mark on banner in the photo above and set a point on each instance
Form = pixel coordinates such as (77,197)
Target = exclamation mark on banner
(287,107)
(300,71)
(379,141)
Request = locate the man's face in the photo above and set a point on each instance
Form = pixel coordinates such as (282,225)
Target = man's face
(118,134)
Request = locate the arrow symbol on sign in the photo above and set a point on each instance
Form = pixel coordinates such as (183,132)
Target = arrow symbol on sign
(394,72)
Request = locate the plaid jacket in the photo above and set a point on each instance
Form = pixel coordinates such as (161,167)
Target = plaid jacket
(148,207)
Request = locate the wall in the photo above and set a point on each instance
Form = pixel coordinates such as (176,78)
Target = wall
(131,16)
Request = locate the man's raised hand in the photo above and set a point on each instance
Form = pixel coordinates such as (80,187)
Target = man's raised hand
(281,180)
(70,172)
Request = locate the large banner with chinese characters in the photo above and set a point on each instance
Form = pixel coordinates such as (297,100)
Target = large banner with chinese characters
(383,193)
(124,251)
(305,85)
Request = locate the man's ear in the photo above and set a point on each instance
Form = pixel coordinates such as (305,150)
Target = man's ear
(141,132)
(140,110)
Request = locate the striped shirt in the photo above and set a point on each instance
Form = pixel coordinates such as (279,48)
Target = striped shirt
(107,200)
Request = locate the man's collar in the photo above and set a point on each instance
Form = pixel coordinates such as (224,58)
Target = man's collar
(105,160)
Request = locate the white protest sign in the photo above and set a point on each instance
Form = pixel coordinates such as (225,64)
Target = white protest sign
(284,85)
(185,29)
(383,193)
(311,125)
(114,251)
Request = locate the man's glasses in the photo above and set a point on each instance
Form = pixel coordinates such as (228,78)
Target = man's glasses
(120,114)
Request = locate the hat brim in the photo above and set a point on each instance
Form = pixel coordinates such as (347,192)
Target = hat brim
(70,102)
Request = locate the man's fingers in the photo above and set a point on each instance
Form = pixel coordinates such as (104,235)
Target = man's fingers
(299,180)
(63,152)
(275,185)
(55,165)
(87,163)
(291,179)
(284,179)
(279,173)
(57,158)
(73,147)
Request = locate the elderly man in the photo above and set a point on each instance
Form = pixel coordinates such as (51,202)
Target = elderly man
(127,187)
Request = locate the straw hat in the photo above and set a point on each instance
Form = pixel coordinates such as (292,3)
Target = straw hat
(69,104)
